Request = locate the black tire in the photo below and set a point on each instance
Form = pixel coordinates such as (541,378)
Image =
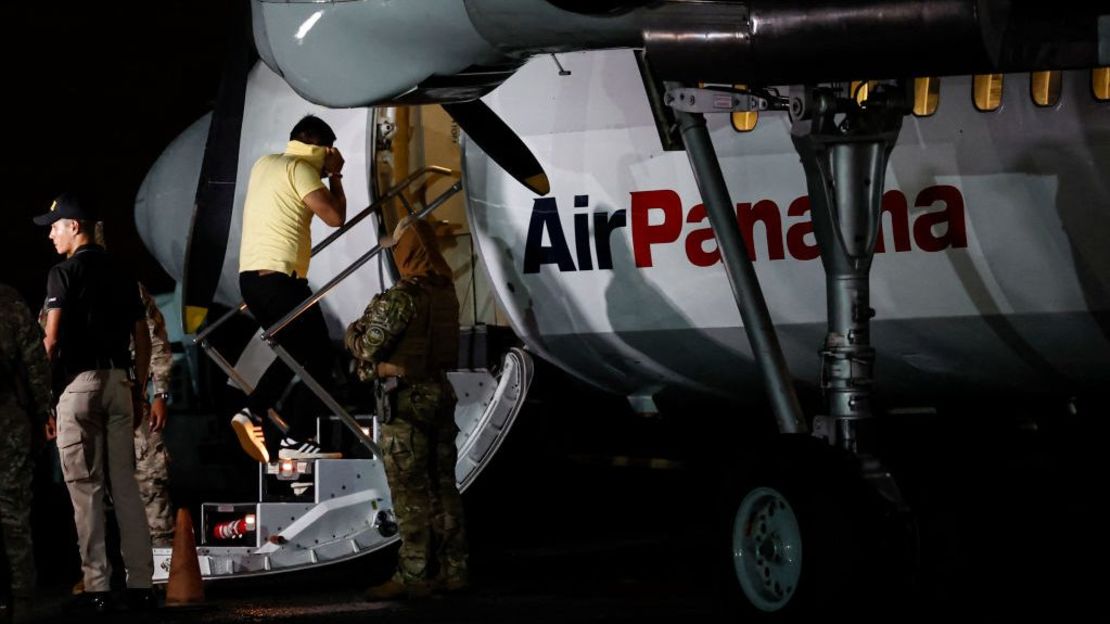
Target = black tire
(842,535)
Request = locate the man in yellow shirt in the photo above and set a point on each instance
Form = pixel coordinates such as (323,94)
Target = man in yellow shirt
(284,192)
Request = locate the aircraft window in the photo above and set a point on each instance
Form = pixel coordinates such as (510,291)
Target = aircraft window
(1044,86)
(744,122)
(987,92)
(861,89)
(1100,83)
(926,96)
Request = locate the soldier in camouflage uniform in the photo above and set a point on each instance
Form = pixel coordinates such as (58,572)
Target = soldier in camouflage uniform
(410,334)
(24,393)
(151,457)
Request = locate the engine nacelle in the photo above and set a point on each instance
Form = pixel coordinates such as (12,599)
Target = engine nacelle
(367,52)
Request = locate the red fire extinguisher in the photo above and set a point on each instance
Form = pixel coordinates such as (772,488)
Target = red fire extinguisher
(233,529)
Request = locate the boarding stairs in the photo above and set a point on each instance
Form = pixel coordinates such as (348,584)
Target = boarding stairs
(317,512)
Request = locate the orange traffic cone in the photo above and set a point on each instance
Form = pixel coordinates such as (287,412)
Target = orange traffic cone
(185,586)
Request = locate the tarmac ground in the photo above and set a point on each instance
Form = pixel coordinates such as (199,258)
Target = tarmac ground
(572,523)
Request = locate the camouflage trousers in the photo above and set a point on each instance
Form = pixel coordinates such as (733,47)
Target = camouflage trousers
(419,457)
(15,497)
(152,475)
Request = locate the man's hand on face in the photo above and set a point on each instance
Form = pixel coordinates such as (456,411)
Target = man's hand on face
(333,161)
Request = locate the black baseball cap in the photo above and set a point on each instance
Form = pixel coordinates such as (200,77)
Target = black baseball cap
(67,206)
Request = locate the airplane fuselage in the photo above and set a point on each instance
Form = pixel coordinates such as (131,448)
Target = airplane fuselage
(990,272)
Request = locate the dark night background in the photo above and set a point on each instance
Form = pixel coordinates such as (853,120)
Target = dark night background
(97,90)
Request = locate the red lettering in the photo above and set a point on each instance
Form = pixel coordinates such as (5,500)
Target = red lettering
(894,204)
(796,235)
(801,243)
(695,240)
(644,234)
(955,235)
(766,211)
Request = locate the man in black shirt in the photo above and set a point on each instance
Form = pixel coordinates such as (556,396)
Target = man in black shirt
(93,312)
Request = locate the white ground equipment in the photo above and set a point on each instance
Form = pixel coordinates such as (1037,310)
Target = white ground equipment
(314,513)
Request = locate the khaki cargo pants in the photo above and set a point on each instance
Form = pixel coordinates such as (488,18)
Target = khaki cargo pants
(97,448)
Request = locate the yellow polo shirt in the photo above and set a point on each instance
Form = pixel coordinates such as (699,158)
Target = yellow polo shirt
(276,232)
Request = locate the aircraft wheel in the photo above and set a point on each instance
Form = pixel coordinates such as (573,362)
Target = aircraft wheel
(802,533)
(767,549)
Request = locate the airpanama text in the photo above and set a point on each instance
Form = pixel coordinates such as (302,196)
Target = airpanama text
(657,219)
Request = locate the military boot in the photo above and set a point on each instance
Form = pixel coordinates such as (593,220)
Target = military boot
(452,584)
(395,589)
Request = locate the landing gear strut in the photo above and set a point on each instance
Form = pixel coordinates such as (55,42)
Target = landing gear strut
(738,265)
(844,148)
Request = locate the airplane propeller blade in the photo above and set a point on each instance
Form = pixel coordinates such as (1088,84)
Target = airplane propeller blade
(500,143)
(208,233)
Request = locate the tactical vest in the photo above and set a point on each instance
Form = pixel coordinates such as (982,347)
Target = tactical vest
(430,344)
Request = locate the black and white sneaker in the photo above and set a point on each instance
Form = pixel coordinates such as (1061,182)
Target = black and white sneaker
(296,449)
(249,432)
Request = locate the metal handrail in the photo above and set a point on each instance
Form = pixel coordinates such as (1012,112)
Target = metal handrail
(270,333)
(240,381)
(390,194)
(328,400)
(207,331)
(353,221)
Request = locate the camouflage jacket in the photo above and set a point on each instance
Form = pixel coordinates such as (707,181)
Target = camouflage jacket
(24,371)
(400,327)
(161,358)
(372,336)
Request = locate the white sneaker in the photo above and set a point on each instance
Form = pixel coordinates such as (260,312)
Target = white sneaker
(296,449)
(250,436)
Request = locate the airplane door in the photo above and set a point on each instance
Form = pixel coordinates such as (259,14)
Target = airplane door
(406,140)
(487,406)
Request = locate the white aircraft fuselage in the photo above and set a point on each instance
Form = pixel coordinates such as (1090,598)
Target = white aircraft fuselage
(991,272)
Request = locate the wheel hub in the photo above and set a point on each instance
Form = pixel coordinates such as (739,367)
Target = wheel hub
(767,549)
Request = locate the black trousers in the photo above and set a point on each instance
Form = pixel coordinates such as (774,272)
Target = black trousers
(270,297)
